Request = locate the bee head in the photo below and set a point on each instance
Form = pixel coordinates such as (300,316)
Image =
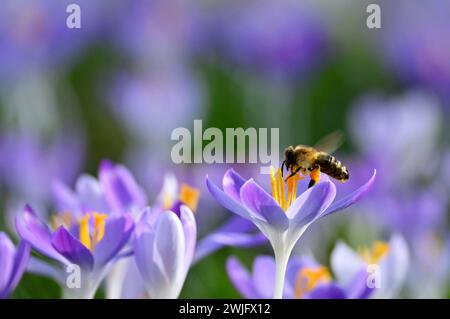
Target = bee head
(289,155)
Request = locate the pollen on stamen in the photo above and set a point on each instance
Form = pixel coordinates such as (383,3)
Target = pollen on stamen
(278,188)
(309,278)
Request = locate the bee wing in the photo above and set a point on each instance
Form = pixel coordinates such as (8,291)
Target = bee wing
(330,143)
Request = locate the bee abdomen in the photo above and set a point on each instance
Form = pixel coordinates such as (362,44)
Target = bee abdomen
(332,167)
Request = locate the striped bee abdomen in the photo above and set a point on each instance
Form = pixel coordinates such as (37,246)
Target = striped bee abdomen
(332,167)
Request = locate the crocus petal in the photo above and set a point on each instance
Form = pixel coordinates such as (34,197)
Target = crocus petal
(358,287)
(6,260)
(311,204)
(21,258)
(262,206)
(327,291)
(232,183)
(64,198)
(31,229)
(241,279)
(117,233)
(72,249)
(190,235)
(264,276)
(90,194)
(170,243)
(351,198)
(393,268)
(120,188)
(345,263)
(226,201)
(150,269)
(39,267)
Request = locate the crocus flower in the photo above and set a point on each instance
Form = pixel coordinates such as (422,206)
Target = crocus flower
(87,247)
(391,260)
(282,219)
(163,251)
(13,262)
(305,279)
(115,192)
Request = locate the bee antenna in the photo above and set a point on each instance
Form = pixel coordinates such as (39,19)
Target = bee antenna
(282,167)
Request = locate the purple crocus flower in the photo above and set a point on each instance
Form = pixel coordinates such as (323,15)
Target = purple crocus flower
(115,192)
(89,247)
(305,279)
(391,260)
(282,220)
(163,251)
(13,262)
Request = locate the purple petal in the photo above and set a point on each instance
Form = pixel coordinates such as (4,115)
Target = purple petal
(241,279)
(121,190)
(144,253)
(190,235)
(72,249)
(351,198)
(117,233)
(64,198)
(264,275)
(90,194)
(20,264)
(311,204)
(232,183)
(6,261)
(31,229)
(170,243)
(327,291)
(226,200)
(358,288)
(262,205)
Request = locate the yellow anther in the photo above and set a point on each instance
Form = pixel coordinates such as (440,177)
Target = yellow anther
(84,231)
(189,196)
(278,188)
(99,228)
(308,279)
(292,184)
(274,185)
(374,255)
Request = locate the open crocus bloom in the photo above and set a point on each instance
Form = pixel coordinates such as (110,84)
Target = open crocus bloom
(86,248)
(387,262)
(305,279)
(163,250)
(115,191)
(13,262)
(281,216)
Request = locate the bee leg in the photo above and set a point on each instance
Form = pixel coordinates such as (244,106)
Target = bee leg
(293,173)
(282,168)
(315,176)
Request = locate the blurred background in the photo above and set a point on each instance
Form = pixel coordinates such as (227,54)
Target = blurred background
(136,70)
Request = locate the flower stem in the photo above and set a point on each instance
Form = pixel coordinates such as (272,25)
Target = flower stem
(281,260)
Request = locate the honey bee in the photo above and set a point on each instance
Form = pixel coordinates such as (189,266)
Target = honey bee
(314,160)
